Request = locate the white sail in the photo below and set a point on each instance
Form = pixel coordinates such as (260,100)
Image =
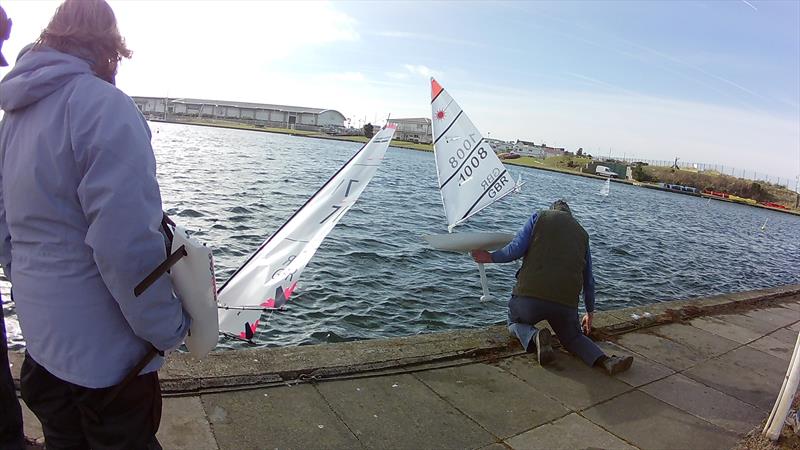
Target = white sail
(606,189)
(266,281)
(471,176)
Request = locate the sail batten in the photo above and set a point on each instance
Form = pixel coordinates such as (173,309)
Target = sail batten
(269,277)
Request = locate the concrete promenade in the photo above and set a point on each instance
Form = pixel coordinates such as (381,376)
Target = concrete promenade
(706,372)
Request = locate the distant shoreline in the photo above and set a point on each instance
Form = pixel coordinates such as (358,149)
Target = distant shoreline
(429,148)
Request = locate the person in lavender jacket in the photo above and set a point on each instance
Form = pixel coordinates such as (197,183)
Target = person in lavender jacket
(11,436)
(556,267)
(80,214)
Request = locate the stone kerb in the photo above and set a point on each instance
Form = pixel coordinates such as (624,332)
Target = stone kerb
(184,375)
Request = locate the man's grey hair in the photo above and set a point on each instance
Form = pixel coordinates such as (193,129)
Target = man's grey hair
(560,205)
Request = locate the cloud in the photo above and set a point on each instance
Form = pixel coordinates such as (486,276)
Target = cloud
(429,38)
(348,76)
(421,70)
(397,75)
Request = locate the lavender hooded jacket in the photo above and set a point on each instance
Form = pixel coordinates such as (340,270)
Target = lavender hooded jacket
(80,210)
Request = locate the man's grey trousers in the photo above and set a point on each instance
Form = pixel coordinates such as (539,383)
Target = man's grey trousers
(525,312)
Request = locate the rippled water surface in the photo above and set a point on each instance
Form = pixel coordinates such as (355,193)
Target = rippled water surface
(374,276)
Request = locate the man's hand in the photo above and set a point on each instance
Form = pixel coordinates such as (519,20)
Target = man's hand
(481,256)
(586,323)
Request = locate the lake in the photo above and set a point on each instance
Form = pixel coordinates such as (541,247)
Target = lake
(374,276)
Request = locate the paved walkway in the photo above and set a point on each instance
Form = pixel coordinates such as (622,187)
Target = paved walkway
(700,383)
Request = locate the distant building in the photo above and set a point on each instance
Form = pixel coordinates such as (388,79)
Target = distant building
(279,116)
(500,146)
(552,151)
(413,130)
(527,148)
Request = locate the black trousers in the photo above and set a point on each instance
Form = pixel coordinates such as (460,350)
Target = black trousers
(11,437)
(73,419)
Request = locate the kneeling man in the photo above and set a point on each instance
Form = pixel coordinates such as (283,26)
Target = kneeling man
(556,265)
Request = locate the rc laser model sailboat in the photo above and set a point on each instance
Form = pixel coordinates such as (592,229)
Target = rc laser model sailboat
(471,177)
(267,280)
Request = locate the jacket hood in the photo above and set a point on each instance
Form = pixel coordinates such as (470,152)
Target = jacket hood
(37,74)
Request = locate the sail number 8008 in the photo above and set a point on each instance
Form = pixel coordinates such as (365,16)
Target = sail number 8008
(474,161)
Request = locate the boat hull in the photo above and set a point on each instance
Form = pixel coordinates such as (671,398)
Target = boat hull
(465,242)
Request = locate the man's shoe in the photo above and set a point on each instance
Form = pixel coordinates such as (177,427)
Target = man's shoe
(544,349)
(616,364)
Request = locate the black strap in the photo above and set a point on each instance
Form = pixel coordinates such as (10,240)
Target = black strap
(160,270)
(96,413)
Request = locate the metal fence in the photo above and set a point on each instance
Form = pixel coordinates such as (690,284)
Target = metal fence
(707,167)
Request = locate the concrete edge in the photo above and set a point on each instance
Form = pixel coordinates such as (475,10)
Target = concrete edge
(183,374)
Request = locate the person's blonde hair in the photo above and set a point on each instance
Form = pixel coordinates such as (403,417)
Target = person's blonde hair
(87,28)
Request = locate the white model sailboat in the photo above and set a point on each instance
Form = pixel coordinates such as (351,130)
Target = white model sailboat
(471,177)
(606,189)
(267,280)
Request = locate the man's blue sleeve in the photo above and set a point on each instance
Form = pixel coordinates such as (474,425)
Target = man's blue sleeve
(519,246)
(588,283)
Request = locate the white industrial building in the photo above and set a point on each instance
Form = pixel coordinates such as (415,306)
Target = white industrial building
(280,116)
(413,130)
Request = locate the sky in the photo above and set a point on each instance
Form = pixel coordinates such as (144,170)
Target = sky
(705,81)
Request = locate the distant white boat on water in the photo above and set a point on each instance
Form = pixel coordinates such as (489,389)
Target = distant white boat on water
(606,189)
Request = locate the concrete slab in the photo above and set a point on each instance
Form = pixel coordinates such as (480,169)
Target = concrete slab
(785,335)
(776,316)
(496,446)
(30,424)
(705,343)
(751,323)
(570,432)
(726,329)
(795,306)
(745,373)
(501,403)
(650,423)
(184,425)
(284,417)
(568,380)
(642,371)
(775,347)
(669,353)
(401,412)
(707,403)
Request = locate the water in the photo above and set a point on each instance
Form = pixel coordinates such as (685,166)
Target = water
(374,276)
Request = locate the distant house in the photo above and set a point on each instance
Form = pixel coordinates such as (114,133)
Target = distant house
(552,151)
(280,116)
(413,130)
(527,148)
(500,146)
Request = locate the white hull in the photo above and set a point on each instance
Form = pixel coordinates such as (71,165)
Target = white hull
(193,280)
(465,242)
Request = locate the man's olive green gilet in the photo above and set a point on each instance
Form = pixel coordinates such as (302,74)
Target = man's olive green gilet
(552,269)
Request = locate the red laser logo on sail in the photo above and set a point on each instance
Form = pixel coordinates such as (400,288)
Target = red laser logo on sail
(439,115)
